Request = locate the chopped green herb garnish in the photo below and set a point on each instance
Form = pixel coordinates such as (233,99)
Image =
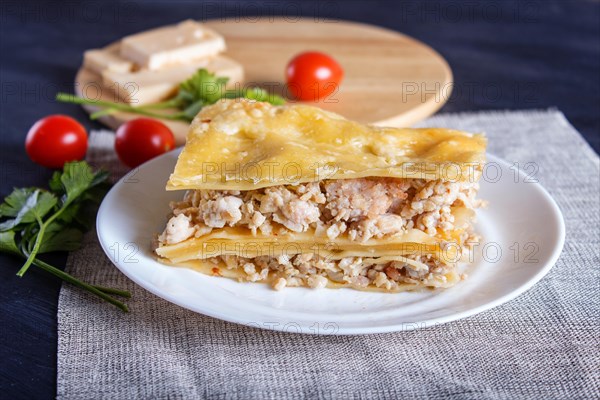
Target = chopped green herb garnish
(38,221)
(201,89)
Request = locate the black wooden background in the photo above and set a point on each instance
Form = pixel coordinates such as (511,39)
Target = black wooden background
(505,55)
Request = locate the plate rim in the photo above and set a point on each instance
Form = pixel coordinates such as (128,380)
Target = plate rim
(406,326)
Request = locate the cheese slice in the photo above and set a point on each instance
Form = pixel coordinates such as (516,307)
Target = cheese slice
(107,59)
(174,44)
(244,145)
(146,86)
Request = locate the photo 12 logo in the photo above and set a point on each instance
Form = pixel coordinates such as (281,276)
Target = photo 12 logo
(492,252)
(525,172)
(316,328)
(289,173)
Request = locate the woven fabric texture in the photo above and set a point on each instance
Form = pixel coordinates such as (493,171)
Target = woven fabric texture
(544,344)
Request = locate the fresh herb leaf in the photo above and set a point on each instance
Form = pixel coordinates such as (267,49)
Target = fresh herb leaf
(55,184)
(202,86)
(256,93)
(59,238)
(201,89)
(193,109)
(13,203)
(69,214)
(32,207)
(8,244)
(77,177)
(45,202)
(38,221)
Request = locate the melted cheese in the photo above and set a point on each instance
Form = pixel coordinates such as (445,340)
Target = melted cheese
(244,145)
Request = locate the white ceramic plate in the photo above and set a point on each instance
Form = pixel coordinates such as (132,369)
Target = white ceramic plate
(523,233)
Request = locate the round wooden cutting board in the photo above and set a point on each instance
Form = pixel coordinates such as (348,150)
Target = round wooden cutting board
(390,78)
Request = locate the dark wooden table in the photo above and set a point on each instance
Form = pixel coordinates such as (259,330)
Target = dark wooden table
(505,55)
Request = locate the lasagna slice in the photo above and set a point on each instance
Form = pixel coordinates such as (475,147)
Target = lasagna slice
(296,196)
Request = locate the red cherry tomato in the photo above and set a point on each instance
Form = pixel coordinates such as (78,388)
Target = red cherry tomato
(55,140)
(313,75)
(142,139)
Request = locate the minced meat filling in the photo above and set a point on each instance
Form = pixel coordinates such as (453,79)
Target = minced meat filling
(315,271)
(364,208)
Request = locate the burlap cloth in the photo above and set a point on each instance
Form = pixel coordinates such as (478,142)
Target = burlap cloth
(544,344)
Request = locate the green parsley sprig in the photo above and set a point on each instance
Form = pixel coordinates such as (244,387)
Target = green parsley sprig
(200,90)
(37,221)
